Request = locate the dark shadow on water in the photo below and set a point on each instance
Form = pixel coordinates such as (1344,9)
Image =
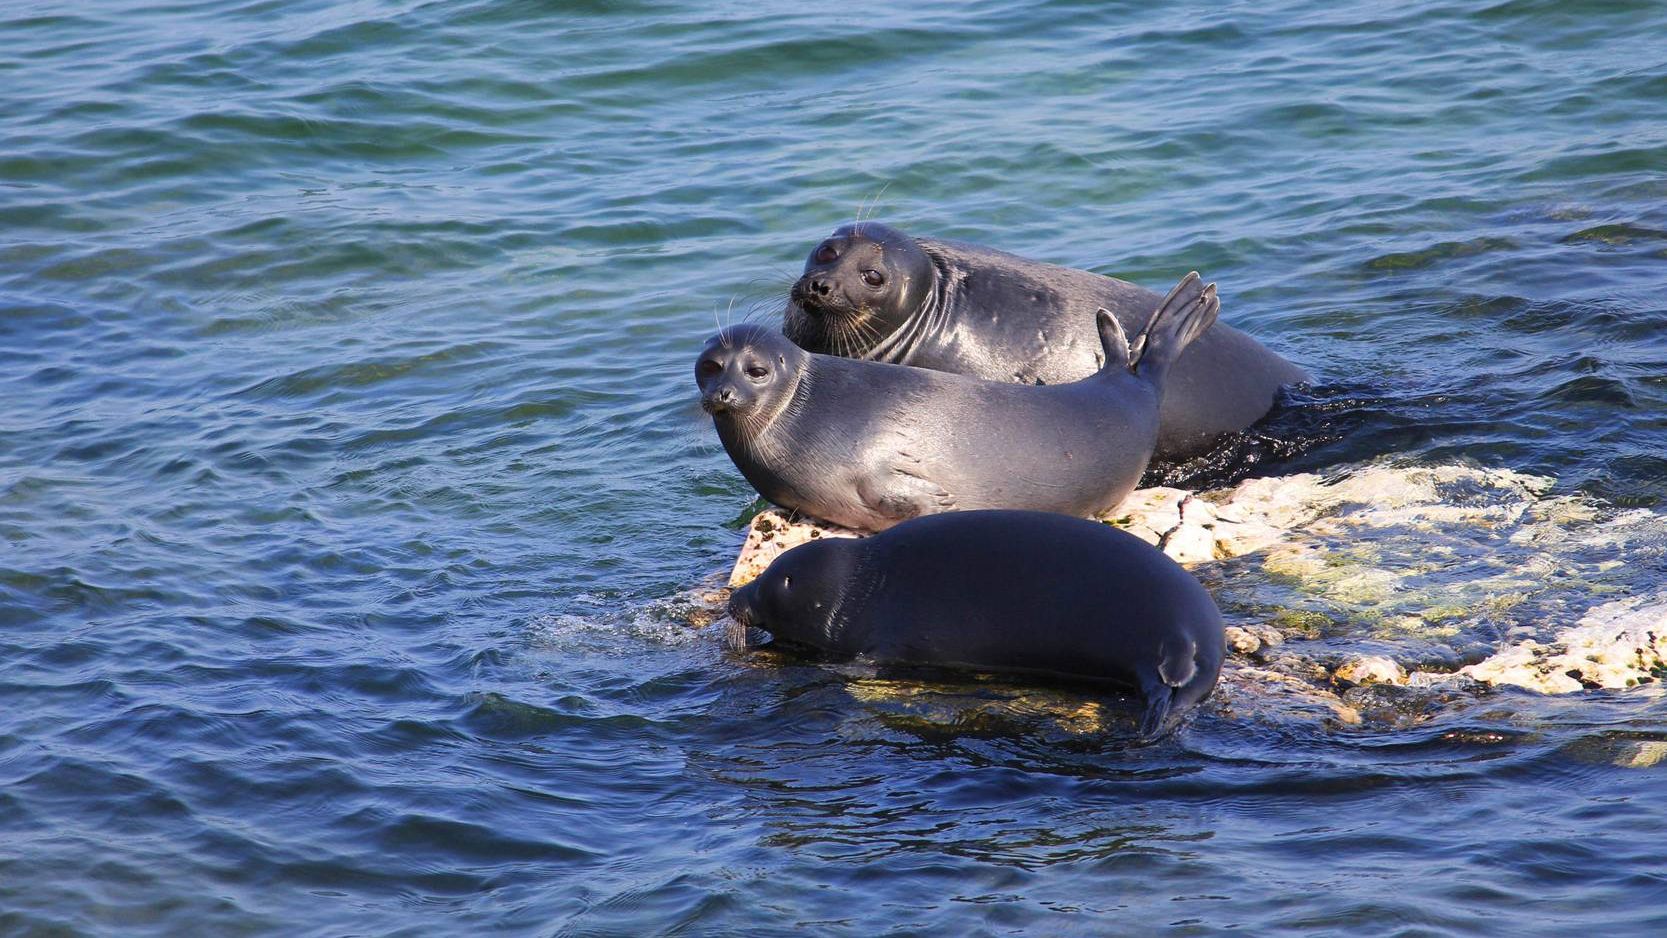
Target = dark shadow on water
(1310,428)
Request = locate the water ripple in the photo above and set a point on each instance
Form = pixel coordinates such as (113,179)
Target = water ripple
(350,474)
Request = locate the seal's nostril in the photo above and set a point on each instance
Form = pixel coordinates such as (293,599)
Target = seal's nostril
(820,287)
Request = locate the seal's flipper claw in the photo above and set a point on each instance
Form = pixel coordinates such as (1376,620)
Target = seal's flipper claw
(1114,340)
(1183,316)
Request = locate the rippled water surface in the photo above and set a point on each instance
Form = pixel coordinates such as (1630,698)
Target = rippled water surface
(350,470)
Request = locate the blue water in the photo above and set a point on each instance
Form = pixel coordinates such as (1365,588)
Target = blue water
(350,465)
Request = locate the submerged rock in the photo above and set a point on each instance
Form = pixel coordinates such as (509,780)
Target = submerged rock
(1274,695)
(1642,754)
(990,706)
(1369,669)
(1253,639)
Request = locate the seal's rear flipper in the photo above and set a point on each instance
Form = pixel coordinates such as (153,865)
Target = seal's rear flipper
(1113,340)
(1184,314)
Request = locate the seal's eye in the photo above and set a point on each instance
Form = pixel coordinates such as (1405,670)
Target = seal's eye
(757,371)
(873,278)
(826,254)
(786,582)
(708,368)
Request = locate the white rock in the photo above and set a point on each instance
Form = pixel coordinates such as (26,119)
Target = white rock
(1242,640)
(1370,669)
(1614,645)
(1190,543)
(1149,514)
(771,533)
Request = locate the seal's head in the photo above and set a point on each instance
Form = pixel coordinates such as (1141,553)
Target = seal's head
(861,284)
(796,600)
(747,373)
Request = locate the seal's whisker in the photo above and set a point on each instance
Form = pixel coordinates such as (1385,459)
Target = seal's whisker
(723,336)
(844,339)
(700,442)
(755,311)
(864,336)
(836,335)
(861,337)
(852,339)
(760,287)
(872,205)
(871,332)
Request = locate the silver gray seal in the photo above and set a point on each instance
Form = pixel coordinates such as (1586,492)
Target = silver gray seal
(866,444)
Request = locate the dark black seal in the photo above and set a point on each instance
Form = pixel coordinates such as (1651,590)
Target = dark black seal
(870,291)
(1001,591)
(866,444)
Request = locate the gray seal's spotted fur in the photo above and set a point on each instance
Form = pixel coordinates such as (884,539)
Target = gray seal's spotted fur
(872,292)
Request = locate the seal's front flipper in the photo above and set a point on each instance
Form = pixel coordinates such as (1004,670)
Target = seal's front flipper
(903,493)
(1156,713)
(1177,666)
(1177,662)
(1184,314)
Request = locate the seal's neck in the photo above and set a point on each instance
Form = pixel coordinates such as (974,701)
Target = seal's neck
(847,631)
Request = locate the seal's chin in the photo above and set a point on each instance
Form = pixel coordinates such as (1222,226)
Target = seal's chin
(816,326)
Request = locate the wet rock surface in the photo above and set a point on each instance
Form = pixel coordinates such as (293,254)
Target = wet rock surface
(1369,669)
(772,533)
(1617,645)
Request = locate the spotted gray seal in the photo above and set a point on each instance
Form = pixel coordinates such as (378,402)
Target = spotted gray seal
(866,444)
(870,291)
(1000,591)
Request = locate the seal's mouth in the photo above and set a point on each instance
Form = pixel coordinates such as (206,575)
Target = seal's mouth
(742,632)
(822,308)
(739,637)
(824,326)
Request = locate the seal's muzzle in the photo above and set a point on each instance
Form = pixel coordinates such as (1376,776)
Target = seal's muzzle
(718,400)
(741,632)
